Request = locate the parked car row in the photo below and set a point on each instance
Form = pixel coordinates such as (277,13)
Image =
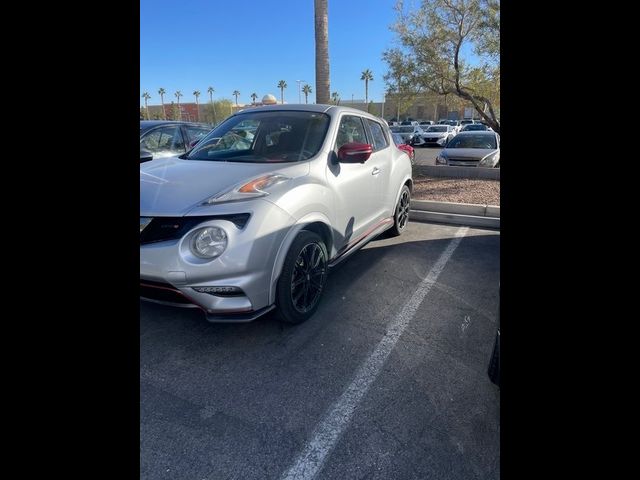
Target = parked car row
(417,135)
(458,126)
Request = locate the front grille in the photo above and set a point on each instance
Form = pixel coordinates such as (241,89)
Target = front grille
(172,228)
(162,292)
(473,160)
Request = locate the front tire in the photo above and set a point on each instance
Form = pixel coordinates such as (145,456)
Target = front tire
(304,274)
(401,215)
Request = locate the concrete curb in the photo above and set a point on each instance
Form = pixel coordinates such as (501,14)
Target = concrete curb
(457,172)
(456,213)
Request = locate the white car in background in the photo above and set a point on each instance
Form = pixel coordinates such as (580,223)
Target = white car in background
(435,135)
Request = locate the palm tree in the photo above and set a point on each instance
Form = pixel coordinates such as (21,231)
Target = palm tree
(196,94)
(335,96)
(178,94)
(306,90)
(161,92)
(282,85)
(321,14)
(211,90)
(367,76)
(253,97)
(235,94)
(146,97)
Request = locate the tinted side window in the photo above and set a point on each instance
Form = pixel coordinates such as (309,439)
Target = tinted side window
(196,133)
(163,142)
(379,138)
(351,130)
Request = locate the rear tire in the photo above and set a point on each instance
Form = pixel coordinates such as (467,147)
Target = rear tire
(303,277)
(401,213)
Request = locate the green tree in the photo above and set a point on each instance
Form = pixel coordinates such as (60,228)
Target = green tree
(235,94)
(321,24)
(213,110)
(161,92)
(282,85)
(253,97)
(146,97)
(306,89)
(433,39)
(335,97)
(367,76)
(178,94)
(211,90)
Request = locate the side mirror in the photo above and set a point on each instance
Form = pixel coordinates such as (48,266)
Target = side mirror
(145,155)
(354,152)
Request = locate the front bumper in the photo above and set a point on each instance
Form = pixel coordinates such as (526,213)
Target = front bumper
(169,272)
(229,309)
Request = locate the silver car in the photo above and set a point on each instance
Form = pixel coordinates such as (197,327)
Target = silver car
(435,135)
(238,228)
(472,149)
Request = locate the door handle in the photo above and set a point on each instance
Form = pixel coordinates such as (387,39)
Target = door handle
(375,171)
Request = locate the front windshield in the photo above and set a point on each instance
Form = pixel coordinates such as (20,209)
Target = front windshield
(437,129)
(487,142)
(261,137)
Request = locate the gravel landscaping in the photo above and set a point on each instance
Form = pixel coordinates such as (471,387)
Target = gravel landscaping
(459,190)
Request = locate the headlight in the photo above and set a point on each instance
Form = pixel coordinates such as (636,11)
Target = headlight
(489,160)
(209,242)
(247,190)
(441,160)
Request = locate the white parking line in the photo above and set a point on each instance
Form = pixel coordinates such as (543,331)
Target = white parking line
(328,432)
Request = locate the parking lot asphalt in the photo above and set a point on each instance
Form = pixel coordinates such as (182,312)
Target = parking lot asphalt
(427,155)
(244,401)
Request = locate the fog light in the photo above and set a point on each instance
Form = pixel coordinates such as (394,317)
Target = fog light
(221,291)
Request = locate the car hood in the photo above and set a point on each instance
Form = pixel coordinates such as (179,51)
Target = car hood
(172,186)
(434,134)
(470,153)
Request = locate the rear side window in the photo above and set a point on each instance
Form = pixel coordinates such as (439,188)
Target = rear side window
(196,133)
(379,138)
(164,141)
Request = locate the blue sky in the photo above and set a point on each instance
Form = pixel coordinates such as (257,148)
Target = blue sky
(250,45)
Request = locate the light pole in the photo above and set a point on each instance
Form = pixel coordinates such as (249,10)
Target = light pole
(299,82)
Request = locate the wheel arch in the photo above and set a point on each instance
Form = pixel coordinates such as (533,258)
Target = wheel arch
(315,222)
